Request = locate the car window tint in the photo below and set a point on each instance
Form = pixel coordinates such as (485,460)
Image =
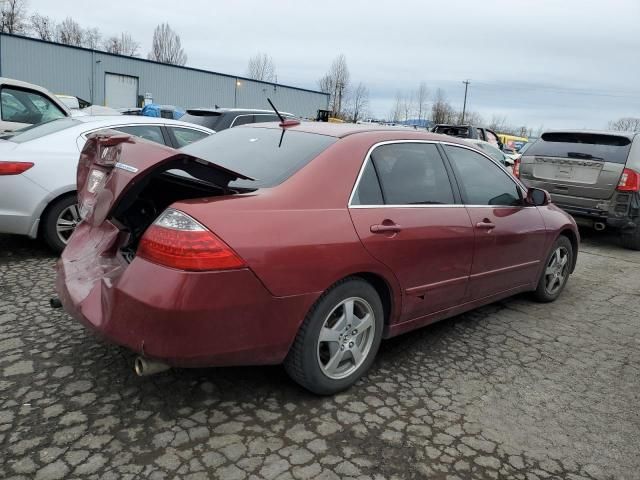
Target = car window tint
(583,146)
(493,152)
(412,174)
(148,132)
(484,182)
(265,118)
(368,191)
(185,136)
(25,106)
(205,118)
(243,120)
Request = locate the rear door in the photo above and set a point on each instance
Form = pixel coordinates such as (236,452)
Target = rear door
(509,236)
(576,164)
(409,217)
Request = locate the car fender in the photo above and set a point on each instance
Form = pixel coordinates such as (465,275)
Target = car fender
(46,201)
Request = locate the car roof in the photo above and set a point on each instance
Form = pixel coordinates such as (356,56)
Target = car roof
(341,130)
(99,120)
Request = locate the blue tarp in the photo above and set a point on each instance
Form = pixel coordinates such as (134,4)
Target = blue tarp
(162,111)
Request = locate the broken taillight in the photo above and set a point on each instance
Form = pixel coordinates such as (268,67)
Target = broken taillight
(629,181)
(14,168)
(178,241)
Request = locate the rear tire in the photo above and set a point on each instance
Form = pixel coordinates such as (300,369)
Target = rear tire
(60,214)
(338,339)
(631,240)
(557,269)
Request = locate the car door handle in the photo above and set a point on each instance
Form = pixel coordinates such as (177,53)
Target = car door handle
(486,224)
(384,228)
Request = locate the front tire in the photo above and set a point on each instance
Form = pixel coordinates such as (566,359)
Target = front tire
(556,271)
(59,222)
(338,339)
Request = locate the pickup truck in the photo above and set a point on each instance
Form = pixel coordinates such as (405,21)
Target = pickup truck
(23,104)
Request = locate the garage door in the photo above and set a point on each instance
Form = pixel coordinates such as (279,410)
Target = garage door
(120,91)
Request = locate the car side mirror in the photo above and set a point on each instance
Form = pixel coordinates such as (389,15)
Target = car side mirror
(538,197)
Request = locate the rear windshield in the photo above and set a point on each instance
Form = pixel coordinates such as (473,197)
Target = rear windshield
(206,119)
(34,132)
(453,131)
(268,155)
(587,146)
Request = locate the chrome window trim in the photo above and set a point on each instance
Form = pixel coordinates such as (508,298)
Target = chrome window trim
(160,125)
(233,123)
(367,158)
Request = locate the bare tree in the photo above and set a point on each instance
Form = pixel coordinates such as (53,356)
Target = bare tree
(358,102)
(91,38)
(43,27)
(69,32)
(441,110)
(336,83)
(166,46)
(470,118)
(122,45)
(398,107)
(13,16)
(625,124)
(498,123)
(422,99)
(261,67)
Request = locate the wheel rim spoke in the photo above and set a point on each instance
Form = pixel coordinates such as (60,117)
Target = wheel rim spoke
(357,354)
(329,335)
(64,225)
(334,362)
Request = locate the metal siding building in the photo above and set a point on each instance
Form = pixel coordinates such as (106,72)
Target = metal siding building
(103,78)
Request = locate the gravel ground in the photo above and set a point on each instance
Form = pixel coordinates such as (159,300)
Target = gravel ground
(513,390)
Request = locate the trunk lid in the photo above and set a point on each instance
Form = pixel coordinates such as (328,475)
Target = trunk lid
(577,164)
(111,165)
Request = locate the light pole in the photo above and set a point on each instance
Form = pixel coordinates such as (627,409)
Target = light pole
(464,105)
(235,93)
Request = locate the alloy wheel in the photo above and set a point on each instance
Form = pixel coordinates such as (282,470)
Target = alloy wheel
(557,270)
(67,221)
(346,338)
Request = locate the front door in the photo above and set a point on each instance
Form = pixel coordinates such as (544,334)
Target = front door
(509,235)
(407,216)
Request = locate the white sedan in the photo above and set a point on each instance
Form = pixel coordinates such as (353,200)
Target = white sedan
(38,169)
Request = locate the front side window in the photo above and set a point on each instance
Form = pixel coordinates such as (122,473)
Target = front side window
(26,106)
(409,174)
(483,182)
(152,133)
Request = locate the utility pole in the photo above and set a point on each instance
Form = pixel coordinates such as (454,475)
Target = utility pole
(464,105)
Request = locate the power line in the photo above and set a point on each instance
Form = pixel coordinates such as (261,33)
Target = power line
(568,91)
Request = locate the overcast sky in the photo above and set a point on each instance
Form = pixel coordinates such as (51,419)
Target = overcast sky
(569,63)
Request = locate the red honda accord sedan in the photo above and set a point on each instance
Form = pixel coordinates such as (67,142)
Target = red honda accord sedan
(304,244)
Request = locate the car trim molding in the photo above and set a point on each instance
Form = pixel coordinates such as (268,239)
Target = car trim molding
(422,289)
(510,268)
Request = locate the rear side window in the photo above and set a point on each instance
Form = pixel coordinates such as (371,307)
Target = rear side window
(148,132)
(582,145)
(242,120)
(412,174)
(185,136)
(269,155)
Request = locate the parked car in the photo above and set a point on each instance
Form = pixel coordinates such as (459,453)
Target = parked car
(469,131)
(595,176)
(495,153)
(73,102)
(38,170)
(23,104)
(305,244)
(222,118)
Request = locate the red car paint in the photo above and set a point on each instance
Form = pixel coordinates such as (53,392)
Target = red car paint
(297,240)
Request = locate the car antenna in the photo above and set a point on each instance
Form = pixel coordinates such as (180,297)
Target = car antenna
(276,110)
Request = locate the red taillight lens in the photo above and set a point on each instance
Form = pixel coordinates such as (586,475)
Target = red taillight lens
(176,240)
(629,181)
(516,168)
(14,168)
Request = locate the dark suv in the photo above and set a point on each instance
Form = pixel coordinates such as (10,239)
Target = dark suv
(595,176)
(469,131)
(221,118)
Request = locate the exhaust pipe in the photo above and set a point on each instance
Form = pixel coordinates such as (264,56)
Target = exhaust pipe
(599,226)
(145,367)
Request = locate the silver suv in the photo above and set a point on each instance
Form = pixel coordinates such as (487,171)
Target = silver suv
(595,176)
